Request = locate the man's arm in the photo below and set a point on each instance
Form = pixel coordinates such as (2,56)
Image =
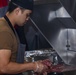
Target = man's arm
(7,67)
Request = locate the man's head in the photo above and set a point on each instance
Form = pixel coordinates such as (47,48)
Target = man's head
(26,4)
(21,10)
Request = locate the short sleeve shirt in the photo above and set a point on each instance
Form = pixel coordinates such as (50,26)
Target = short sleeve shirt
(8,40)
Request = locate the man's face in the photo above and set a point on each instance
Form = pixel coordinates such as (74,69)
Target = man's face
(23,17)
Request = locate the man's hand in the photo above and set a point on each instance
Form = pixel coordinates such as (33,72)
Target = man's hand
(43,66)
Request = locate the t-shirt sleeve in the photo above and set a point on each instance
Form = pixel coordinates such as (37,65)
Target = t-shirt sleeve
(6,40)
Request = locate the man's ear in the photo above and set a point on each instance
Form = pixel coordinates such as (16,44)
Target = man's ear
(17,10)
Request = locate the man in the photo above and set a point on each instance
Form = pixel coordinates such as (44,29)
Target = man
(18,14)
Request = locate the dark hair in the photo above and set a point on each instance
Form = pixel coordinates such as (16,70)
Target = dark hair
(12,7)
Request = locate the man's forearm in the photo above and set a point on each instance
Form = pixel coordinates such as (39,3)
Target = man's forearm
(14,68)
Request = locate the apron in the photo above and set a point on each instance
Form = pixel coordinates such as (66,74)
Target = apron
(20,55)
(21,47)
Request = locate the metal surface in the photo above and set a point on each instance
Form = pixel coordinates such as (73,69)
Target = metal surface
(58,28)
(36,55)
(43,52)
(37,2)
(70,6)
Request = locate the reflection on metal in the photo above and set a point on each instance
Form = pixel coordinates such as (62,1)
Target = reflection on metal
(51,16)
(58,28)
(70,6)
(60,13)
(65,45)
